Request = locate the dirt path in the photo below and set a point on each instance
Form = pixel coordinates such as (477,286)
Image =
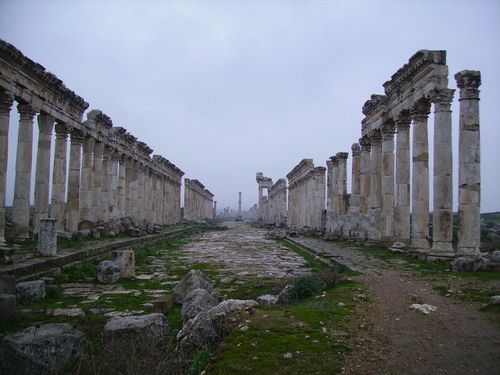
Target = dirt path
(392,339)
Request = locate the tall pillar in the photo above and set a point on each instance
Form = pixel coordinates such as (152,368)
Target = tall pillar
(420,179)
(120,190)
(135,186)
(342,182)
(57,207)
(388,183)
(140,192)
(469,164)
(86,182)
(106,183)
(365,175)
(402,196)
(42,177)
(356,178)
(113,185)
(239,203)
(73,205)
(375,199)
(22,184)
(261,195)
(6,101)
(97,181)
(329,188)
(442,214)
(128,186)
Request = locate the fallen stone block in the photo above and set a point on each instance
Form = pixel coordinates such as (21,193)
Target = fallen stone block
(47,237)
(31,290)
(40,349)
(125,259)
(469,264)
(193,280)
(195,302)
(108,272)
(423,308)
(8,305)
(284,296)
(147,329)
(267,300)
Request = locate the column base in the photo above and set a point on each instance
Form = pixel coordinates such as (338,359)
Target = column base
(441,251)
(399,247)
(468,251)
(419,247)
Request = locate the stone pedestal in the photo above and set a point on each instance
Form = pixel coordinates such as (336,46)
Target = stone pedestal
(6,101)
(22,184)
(47,237)
(442,214)
(42,175)
(420,179)
(57,209)
(469,165)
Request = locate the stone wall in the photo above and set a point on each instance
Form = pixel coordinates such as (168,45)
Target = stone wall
(198,201)
(111,173)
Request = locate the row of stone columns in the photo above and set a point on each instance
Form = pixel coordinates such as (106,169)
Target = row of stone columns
(278,202)
(198,201)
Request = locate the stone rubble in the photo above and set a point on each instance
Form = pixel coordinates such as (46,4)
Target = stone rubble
(31,290)
(144,329)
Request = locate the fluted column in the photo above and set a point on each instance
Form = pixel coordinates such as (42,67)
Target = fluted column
(106,183)
(86,180)
(356,178)
(469,164)
(442,214)
(6,101)
(388,183)
(97,181)
(402,196)
(58,202)
(73,205)
(420,179)
(365,175)
(22,184)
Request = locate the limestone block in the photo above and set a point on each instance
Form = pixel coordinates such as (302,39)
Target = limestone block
(108,272)
(267,300)
(47,237)
(8,305)
(31,290)
(125,259)
(193,280)
(143,329)
(196,301)
(41,349)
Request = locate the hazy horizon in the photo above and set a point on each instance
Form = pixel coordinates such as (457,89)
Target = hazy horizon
(227,89)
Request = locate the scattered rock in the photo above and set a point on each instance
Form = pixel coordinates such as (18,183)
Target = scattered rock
(31,290)
(193,280)
(8,305)
(195,302)
(495,300)
(267,300)
(468,264)
(40,349)
(67,312)
(150,328)
(423,307)
(108,272)
(287,355)
(208,327)
(284,296)
(125,259)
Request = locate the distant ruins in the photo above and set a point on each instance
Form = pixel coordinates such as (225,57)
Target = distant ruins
(388,204)
(111,173)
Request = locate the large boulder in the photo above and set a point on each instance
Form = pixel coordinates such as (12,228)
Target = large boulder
(209,327)
(31,290)
(195,302)
(193,280)
(108,272)
(40,349)
(144,329)
(125,260)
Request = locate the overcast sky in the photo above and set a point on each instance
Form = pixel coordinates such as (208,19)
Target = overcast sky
(224,89)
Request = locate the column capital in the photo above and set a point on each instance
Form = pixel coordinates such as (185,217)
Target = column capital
(6,101)
(61,130)
(98,148)
(356,149)
(376,137)
(77,137)
(468,81)
(334,160)
(45,123)
(26,111)
(421,110)
(403,120)
(365,144)
(388,129)
(342,156)
(442,99)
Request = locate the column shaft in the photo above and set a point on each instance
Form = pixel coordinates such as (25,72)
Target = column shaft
(6,101)
(73,205)
(97,181)
(86,180)
(58,202)
(365,175)
(388,183)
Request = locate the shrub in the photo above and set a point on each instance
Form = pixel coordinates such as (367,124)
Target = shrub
(331,278)
(305,287)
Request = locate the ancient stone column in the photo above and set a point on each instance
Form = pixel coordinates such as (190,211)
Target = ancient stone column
(402,195)
(106,183)
(329,188)
(97,181)
(113,185)
(6,101)
(86,181)
(73,205)
(261,195)
(365,175)
(469,164)
(388,183)
(120,190)
(375,199)
(140,193)
(420,179)
(129,163)
(22,184)
(342,182)
(442,214)
(356,178)
(135,188)
(47,237)
(42,175)
(239,203)
(57,207)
